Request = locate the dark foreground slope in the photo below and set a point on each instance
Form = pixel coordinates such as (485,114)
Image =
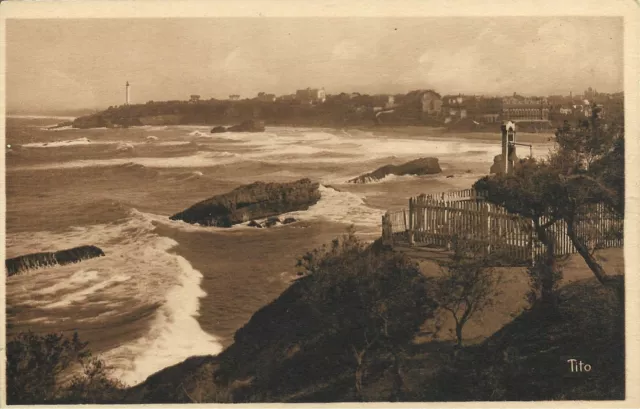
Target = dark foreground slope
(347,332)
(528,359)
(331,336)
(303,348)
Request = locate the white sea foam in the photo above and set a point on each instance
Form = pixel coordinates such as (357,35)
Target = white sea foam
(333,206)
(65,118)
(198,134)
(199,159)
(72,142)
(81,295)
(293,146)
(175,333)
(137,271)
(79,278)
(341,207)
(58,129)
(124,147)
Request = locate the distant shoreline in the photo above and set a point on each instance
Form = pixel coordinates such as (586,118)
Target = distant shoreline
(397,131)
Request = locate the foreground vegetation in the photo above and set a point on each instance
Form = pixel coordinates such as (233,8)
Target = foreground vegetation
(56,369)
(346,331)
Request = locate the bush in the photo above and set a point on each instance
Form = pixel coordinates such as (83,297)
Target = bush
(371,302)
(36,365)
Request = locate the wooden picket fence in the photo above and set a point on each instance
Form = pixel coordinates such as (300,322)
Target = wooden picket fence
(464,216)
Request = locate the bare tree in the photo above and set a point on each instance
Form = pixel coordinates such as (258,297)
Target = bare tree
(466,288)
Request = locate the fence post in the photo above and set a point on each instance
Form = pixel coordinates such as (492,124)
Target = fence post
(486,234)
(532,250)
(388,229)
(404,215)
(412,216)
(447,226)
(385,236)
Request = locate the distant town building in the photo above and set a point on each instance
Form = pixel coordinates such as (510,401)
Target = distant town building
(484,109)
(234,97)
(311,96)
(520,108)
(488,118)
(194,98)
(454,106)
(266,97)
(286,98)
(383,102)
(566,110)
(590,93)
(431,103)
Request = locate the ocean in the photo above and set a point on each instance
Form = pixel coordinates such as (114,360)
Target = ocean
(167,290)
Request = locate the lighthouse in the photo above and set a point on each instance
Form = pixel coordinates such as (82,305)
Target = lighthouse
(127,93)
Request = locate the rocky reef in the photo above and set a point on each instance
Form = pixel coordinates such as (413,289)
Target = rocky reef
(422,166)
(271,221)
(61,125)
(19,264)
(245,126)
(254,201)
(497,164)
(103,121)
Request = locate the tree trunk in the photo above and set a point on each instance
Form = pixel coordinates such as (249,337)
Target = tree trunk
(398,381)
(614,283)
(459,333)
(359,373)
(549,267)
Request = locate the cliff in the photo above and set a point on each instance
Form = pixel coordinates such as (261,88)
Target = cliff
(300,347)
(39,260)
(255,201)
(422,166)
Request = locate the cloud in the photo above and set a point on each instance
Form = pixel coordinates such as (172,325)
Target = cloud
(242,72)
(348,50)
(555,56)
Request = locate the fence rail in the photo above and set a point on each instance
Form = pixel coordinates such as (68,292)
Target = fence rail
(446,219)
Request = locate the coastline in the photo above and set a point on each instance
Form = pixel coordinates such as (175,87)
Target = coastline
(269,265)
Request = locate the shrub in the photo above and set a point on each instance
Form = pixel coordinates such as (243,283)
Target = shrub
(36,365)
(372,302)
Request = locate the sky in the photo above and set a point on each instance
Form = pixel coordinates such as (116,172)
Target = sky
(55,64)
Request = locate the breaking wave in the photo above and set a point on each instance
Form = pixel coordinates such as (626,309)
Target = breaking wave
(138,272)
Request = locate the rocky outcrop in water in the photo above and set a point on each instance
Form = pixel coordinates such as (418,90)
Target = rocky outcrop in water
(497,164)
(245,126)
(271,221)
(258,200)
(39,260)
(61,125)
(422,166)
(219,129)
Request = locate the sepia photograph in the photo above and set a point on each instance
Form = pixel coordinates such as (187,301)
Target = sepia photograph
(326,208)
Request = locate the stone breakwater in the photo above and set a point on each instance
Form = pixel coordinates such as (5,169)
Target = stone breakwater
(254,201)
(33,261)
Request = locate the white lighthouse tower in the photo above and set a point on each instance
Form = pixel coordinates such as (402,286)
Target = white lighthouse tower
(127,93)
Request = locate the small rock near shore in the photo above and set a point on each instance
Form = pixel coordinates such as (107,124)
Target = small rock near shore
(254,223)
